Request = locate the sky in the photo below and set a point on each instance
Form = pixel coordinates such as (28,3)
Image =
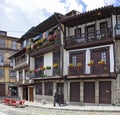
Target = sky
(18,16)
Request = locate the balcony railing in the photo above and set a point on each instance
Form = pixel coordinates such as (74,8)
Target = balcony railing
(94,70)
(97,35)
(76,71)
(43,43)
(21,63)
(46,73)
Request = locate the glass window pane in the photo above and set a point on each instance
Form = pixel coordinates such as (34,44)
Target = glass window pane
(2,43)
(74,60)
(14,45)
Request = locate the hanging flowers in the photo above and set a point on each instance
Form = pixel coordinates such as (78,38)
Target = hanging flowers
(91,63)
(28,49)
(79,64)
(42,68)
(48,67)
(101,62)
(71,65)
(35,70)
(55,65)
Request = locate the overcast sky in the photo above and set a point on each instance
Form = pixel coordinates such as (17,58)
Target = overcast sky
(18,16)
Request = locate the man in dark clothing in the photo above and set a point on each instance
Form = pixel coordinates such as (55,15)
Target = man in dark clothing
(56,99)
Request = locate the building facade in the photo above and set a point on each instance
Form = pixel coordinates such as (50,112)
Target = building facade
(8,47)
(77,55)
(92,44)
(21,61)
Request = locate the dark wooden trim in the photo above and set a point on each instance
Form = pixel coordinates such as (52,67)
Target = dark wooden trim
(87,45)
(77,52)
(91,77)
(45,50)
(48,78)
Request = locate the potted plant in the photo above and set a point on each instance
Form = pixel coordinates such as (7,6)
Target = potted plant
(48,67)
(55,65)
(42,68)
(79,64)
(71,65)
(101,62)
(91,62)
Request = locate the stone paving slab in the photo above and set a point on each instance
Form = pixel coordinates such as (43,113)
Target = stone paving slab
(35,108)
(108,108)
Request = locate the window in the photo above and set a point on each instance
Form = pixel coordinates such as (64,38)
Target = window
(2,43)
(39,62)
(14,45)
(11,61)
(103,56)
(103,25)
(1,59)
(90,32)
(118,25)
(12,73)
(118,19)
(49,88)
(38,89)
(74,60)
(1,72)
(20,75)
(78,32)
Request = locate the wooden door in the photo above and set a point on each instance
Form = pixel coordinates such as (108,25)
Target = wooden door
(31,94)
(25,93)
(75,91)
(2,92)
(105,92)
(89,92)
(60,91)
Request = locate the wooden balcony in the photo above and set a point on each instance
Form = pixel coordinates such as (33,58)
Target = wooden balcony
(48,73)
(95,70)
(21,63)
(97,37)
(53,73)
(43,47)
(76,71)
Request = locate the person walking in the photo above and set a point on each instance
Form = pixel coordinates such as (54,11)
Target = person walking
(56,99)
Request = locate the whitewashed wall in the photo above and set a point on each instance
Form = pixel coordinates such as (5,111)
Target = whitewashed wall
(48,61)
(32,63)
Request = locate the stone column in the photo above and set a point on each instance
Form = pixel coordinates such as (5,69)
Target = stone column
(23,75)
(68,99)
(65,92)
(97,92)
(17,75)
(81,92)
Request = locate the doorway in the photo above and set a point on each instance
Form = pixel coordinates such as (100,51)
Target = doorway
(60,91)
(31,90)
(25,93)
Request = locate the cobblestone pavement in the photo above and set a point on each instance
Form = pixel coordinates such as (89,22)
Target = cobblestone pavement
(48,109)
